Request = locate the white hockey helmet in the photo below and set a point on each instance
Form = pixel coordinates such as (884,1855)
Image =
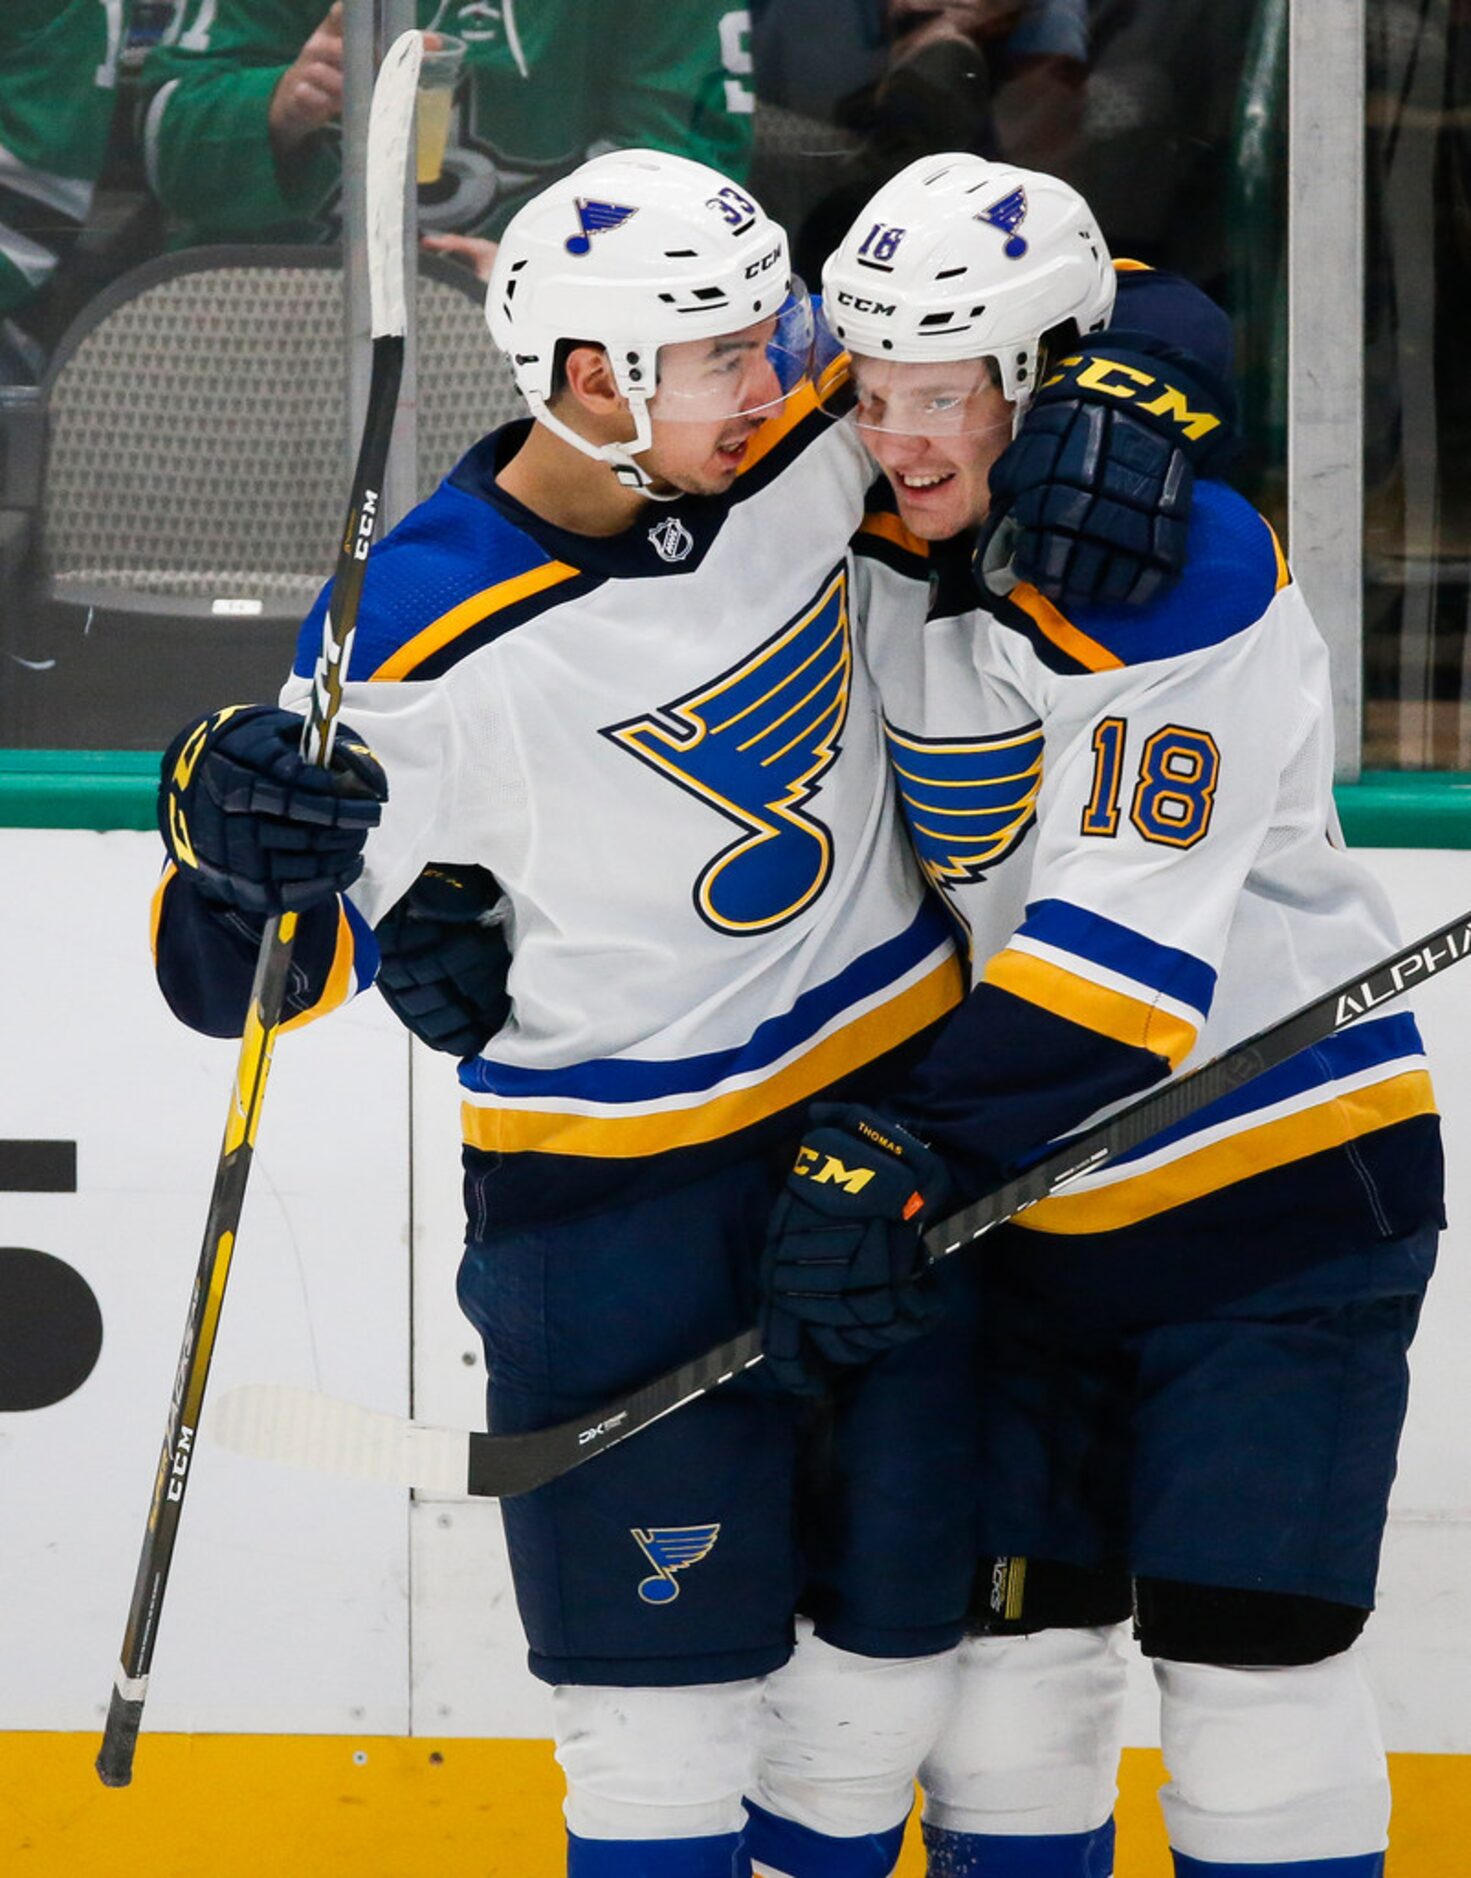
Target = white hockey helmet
(636,251)
(959,258)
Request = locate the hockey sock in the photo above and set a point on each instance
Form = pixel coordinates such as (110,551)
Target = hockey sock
(1023,1777)
(720,1857)
(1002,1855)
(1273,1771)
(780,1848)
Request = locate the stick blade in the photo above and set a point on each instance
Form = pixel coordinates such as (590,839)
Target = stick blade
(300,1428)
(390,146)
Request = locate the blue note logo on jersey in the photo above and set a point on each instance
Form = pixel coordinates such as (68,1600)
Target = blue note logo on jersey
(671,1549)
(1008,214)
(754,744)
(967,801)
(596,219)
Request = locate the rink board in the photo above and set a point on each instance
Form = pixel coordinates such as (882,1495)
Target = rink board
(310,1620)
(244,1806)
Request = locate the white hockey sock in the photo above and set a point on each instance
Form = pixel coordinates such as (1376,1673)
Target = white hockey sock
(656,1764)
(1272,1767)
(1032,1745)
(841,1738)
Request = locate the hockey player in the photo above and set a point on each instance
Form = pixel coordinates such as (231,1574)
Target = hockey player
(1194,1370)
(610,661)
(607,672)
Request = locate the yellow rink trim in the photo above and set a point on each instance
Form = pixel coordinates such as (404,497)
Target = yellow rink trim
(333,1806)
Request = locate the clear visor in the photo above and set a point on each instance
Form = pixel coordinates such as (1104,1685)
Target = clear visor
(949,398)
(750,373)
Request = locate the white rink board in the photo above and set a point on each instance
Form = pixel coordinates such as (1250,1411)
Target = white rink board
(302,1604)
(287,1607)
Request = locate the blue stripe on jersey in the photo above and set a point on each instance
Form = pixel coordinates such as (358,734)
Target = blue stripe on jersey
(617,1080)
(444,553)
(1366,1045)
(1231,573)
(365,952)
(1089,936)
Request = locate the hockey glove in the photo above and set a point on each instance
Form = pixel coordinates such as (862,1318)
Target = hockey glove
(843,1273)
(252,824)
(445,959)
(1091,501)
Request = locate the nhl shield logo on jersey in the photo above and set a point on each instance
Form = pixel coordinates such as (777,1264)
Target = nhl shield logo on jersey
(671,1549)
(967,802)
(1008,214)
(754,744)
(596,218)
(671,540)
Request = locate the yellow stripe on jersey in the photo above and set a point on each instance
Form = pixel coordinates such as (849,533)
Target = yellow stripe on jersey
(155,911)
(1111,1013)
(1063,634)
(880,522)
(802,403)
(1330,1124)
(1284,572)
(339,977)
(606,1136)
(438,633)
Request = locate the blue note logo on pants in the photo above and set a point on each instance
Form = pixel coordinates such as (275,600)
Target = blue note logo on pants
(671,1549)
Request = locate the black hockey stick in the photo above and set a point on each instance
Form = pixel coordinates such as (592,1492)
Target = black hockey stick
(310,1430)
(390,141)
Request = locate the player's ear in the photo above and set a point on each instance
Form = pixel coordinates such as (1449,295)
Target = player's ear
(590,380)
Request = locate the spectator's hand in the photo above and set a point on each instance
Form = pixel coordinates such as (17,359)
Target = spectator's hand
(252,824)
(843,1274)
(475,251)
(309,94)
(444,959)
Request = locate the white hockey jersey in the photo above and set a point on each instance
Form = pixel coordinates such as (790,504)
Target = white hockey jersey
(664,748)
(1131,813)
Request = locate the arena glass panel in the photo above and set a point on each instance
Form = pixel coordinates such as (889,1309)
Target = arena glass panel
(1174,123)
(1417,430)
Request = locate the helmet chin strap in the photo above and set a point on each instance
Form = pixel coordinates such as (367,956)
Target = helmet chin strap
(620,457)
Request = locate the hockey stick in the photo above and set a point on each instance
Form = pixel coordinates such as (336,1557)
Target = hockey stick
(309,1430)
(390,141)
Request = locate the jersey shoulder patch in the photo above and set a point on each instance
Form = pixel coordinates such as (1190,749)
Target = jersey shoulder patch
(454,575)
(1234,568)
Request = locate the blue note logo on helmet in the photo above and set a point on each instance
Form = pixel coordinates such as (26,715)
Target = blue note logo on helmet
(671,1549)
(1008,215)
(595,218)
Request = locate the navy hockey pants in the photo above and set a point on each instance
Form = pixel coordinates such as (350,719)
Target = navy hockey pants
(681,1555)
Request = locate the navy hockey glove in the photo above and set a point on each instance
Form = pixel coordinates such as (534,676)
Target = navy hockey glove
(252,824)
(1091,501)
(843,1273)
(445,959)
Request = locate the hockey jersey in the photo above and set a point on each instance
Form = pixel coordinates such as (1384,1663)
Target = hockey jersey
(1130,815)
(677,773)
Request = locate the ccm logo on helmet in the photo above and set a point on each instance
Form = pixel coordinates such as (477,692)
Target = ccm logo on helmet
(766,261)
(885,308)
